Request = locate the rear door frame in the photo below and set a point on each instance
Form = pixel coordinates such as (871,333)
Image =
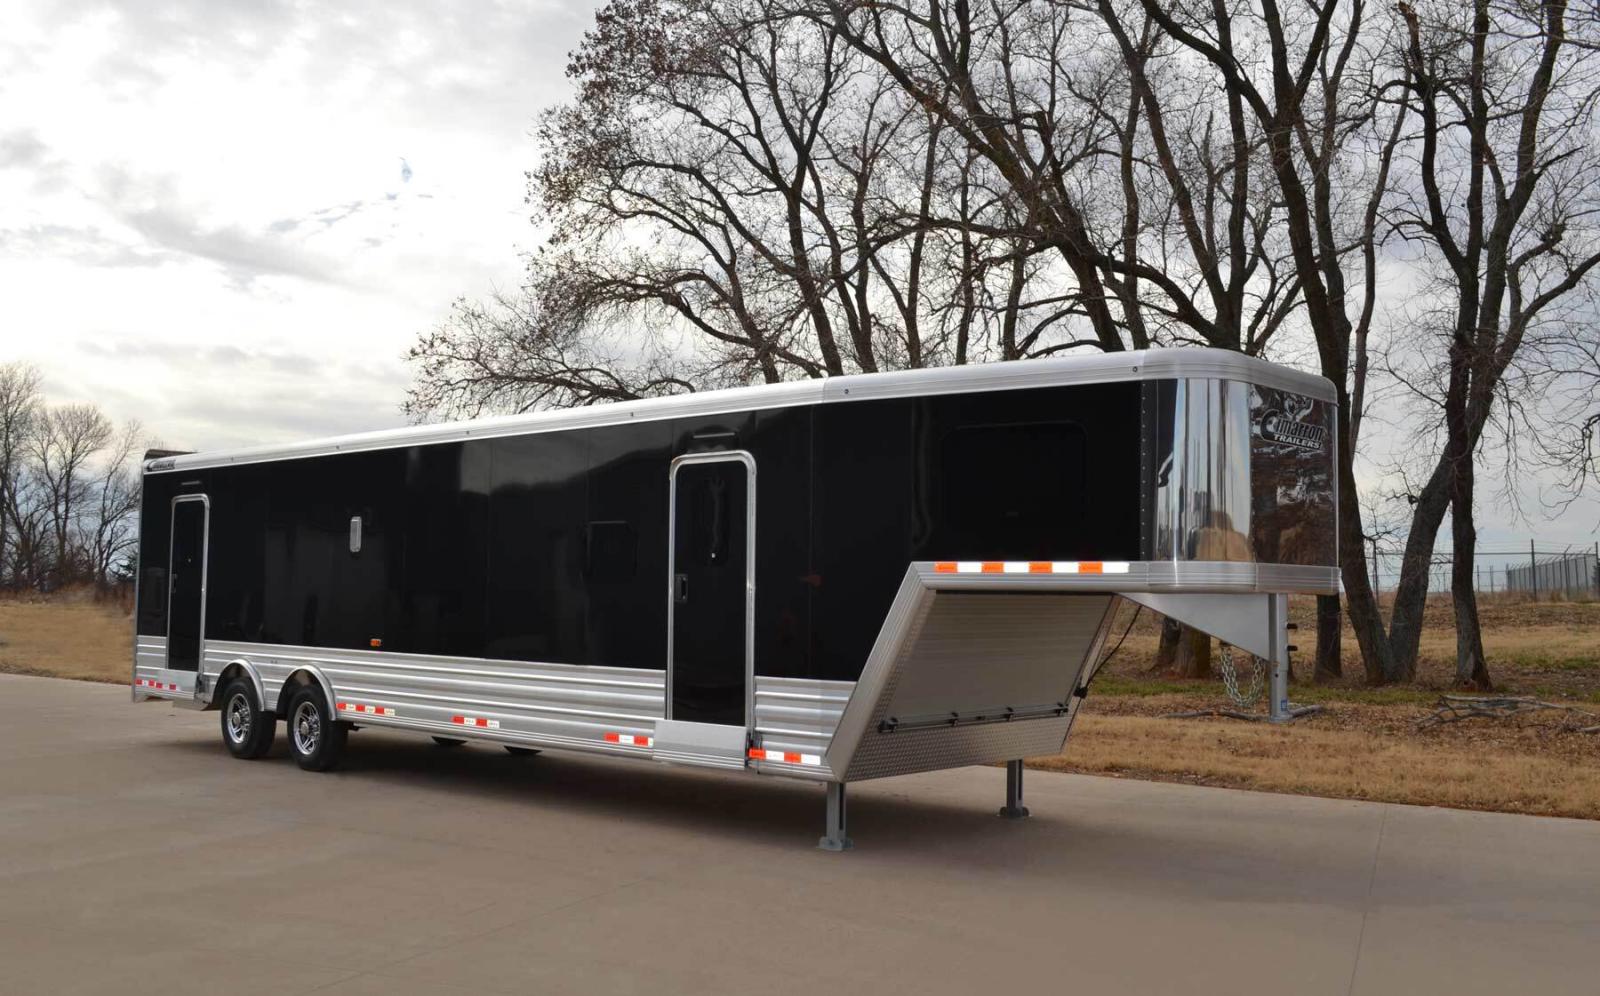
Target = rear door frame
(170,673)
(714,456)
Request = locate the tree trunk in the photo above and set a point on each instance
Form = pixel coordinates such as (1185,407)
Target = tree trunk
(1167,652)
(1411,592)
(1194,654)
(1330,637)
(1360,601)
(1472,670)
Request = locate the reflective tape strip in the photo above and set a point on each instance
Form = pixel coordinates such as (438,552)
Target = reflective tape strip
(1030,567)
(477,721)
(148,683)
(371,710)
(630,739)
(787,757)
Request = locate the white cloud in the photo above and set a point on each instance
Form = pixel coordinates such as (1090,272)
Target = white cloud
(203,218)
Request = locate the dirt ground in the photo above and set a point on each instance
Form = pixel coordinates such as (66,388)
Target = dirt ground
(1365,744)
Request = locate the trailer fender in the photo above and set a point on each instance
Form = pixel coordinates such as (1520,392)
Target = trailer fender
(305,675)
(240,666)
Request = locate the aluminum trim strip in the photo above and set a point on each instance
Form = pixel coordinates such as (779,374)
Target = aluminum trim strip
(1156,576)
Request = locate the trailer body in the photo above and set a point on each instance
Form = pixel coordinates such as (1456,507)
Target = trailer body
(838,580)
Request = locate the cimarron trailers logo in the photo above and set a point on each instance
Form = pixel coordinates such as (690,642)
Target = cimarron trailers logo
(1278,426)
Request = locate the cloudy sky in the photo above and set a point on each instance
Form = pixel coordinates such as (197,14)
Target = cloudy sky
(229,219)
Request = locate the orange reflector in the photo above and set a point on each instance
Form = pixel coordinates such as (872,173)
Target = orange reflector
(993,567)
(1089,567)
(376,642)
(1040,567)
(945,567)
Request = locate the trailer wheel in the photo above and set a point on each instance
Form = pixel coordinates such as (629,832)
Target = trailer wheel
(449,742)
(247,730)
(316,739)
(521,751)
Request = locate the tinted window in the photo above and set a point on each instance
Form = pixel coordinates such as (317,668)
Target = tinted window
(1005,489)
(439,603)
(537,514)
(626,548)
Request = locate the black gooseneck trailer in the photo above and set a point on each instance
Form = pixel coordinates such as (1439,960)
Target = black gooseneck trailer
(835,580)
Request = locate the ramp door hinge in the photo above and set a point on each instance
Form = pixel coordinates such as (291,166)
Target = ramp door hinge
(1005,714)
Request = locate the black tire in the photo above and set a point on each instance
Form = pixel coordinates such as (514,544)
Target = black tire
(247,731)
(316,739)
(449,742)
(521,751)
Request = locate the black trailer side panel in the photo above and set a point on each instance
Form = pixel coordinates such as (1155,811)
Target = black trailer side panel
(537,599)
(552,546)
(625,544)
(442,597)
(1049,474)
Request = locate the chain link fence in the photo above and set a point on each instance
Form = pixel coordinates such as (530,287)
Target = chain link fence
(1570,574)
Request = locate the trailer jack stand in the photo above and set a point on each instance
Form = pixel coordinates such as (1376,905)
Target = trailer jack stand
(835,839)
(1014,809)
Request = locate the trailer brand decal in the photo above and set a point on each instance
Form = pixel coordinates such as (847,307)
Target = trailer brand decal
(1277,426)
(478,721)
(787,757)
(147,683)
(629,739)
(363,708)
(1030,567)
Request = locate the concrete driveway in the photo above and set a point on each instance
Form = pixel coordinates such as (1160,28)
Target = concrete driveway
(136,856)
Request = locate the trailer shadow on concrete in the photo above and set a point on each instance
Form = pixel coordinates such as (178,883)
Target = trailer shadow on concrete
(901,822)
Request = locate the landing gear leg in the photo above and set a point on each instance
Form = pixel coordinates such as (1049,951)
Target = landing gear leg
(835,839)
(1014,809)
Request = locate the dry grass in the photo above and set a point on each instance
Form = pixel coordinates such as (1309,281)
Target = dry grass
(1550,649)
(1337,763)
(70,637)
(1367,745)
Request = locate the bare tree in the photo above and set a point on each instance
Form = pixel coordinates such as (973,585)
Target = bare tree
(19,411)
(61,450)
(1505,201)
(736,194)
(106,520)
(1310,74)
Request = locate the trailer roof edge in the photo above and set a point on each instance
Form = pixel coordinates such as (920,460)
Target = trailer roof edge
(1134,365)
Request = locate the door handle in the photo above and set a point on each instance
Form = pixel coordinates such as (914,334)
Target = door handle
(680,587)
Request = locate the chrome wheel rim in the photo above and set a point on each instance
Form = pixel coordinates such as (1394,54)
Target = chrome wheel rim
(238,718)
(307,728)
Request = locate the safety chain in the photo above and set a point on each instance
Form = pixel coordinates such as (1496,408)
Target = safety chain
(1230,679)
